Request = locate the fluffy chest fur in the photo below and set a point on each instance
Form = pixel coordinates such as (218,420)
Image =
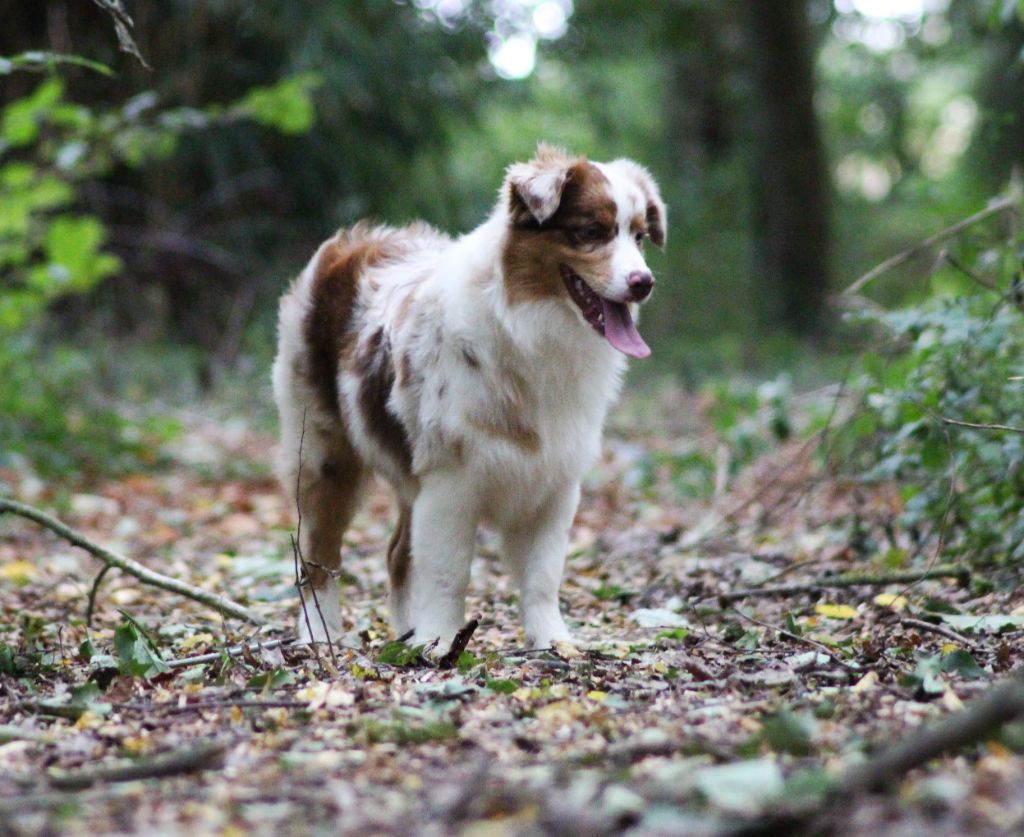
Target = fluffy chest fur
(440,371)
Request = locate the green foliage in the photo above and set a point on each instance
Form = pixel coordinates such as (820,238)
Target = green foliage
(287,106)
(397,653)
(960,359)
(136,652)
(50,248)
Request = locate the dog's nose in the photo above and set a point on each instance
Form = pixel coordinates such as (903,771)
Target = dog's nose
(640,284)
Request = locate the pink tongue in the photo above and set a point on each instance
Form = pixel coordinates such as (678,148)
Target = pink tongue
(620,331)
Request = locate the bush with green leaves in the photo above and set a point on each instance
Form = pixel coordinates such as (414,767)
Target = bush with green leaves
(942,416)
(51,247)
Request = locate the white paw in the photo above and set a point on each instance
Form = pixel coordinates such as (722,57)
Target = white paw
(320,618)
(546,631)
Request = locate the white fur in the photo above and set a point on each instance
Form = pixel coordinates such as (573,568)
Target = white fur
(453,300)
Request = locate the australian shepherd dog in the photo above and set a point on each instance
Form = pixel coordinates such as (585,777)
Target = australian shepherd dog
(474,374)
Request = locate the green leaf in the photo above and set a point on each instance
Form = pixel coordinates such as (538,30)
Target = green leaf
(397,653)
(962,662)
(76,263)
(286,106)
(270,680)
(784,732)
(925,681)
(19,125)
(136,654)
(504,687)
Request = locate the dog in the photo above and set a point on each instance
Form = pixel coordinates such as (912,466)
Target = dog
(475,375)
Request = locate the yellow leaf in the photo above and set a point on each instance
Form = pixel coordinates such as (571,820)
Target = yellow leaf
(88,720)
(597,694)
(951,701)
(660,667)
(891,601)
(868,681)
(834,611)
(998,750)
(20,572)
(949,647)
(198,639)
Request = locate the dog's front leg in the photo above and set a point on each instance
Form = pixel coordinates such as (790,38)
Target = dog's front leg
(535,552)
(444,520)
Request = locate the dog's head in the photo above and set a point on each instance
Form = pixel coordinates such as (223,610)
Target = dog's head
(577,232)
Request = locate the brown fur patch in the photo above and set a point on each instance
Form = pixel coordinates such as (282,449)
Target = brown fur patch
(374,365)
(333,296)
(328,497)
(504,419)
(507,426)
(533,252)
(400,549)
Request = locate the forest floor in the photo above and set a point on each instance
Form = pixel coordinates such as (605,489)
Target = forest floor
(684,709)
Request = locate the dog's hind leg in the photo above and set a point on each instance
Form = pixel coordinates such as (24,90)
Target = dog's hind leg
(399,564)
(324,475)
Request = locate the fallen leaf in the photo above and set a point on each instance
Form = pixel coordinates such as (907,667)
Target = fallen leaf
(834,611)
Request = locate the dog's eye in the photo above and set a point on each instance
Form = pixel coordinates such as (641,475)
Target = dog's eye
(591,234)
(639,239)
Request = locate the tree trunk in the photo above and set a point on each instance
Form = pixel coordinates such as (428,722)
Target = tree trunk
(790,183)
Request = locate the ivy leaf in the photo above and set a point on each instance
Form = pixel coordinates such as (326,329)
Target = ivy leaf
(962,662)
(137,656)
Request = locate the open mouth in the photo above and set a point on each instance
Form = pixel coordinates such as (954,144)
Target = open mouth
(610,319)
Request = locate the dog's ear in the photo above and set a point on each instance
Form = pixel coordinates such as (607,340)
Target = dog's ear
(534,189)
(657,226)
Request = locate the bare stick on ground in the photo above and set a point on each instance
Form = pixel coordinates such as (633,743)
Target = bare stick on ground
(961,574)
(940,630)
(202,756)
(980,720)
(459,643)
(219,603)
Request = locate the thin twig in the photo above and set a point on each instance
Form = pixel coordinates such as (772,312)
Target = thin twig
(91,604)
(806,640)
(974,426)
(961,574)
(941,630)
(300,559)
(233,651)
(1001,205)
(133,568)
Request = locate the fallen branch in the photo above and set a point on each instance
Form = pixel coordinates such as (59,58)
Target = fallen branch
(1005,204)
(961,574)
(211,705)
(941,630)
(202,756)
(980,720)
(232,651)
(133,568)
(459,643)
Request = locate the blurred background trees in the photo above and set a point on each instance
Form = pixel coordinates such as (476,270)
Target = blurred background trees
(154,216)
